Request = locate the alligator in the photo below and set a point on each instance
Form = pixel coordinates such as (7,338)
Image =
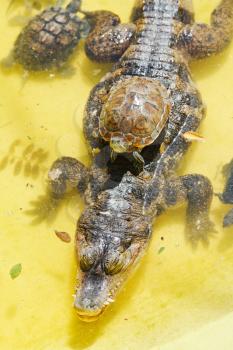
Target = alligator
(151,56)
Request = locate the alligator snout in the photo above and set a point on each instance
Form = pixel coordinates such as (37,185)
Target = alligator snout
(92,295)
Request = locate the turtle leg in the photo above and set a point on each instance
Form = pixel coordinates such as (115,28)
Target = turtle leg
(67,173)
(198,192)
(202,40)
(138,161)
(108,38)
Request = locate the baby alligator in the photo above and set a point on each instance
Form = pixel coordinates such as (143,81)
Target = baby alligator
(115,228)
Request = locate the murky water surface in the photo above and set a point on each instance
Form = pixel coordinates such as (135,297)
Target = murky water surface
(172,293)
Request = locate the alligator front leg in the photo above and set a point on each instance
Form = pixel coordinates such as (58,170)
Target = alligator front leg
(108,39)
(202,40)
(65,174)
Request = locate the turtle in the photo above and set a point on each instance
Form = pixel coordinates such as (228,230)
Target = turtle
(134,115)
(49,38)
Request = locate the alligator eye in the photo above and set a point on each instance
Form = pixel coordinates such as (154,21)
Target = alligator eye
(113,265)
(115,262)
(127,243)
(88,258)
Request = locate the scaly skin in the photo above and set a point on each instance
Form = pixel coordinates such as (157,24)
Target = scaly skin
(165,39)
(115,228)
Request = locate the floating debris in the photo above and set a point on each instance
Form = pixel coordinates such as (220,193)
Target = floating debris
(63,236)
(161,250)
(193,136)
(15,271)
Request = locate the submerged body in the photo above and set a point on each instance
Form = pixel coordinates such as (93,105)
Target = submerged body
(149,94)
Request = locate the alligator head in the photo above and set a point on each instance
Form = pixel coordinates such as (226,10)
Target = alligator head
(112,235)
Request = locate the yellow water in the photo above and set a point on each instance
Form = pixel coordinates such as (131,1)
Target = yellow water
(180,297)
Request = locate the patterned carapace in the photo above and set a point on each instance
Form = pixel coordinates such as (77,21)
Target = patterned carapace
(49,38)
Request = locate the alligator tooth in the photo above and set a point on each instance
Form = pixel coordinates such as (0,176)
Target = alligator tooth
(110,300)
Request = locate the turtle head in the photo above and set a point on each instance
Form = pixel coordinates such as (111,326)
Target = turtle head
(119,145)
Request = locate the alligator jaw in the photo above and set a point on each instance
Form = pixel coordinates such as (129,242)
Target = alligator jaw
(95,291)
(89,317)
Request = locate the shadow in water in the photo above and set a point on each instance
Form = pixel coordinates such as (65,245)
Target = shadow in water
(44,209)
(27,160)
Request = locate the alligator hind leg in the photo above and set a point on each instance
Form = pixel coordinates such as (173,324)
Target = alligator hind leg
(199,196)
(108,39)
(67,173)
(197,191)
(202,40)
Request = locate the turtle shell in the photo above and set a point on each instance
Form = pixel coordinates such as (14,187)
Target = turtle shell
(135,113)
(48,39)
